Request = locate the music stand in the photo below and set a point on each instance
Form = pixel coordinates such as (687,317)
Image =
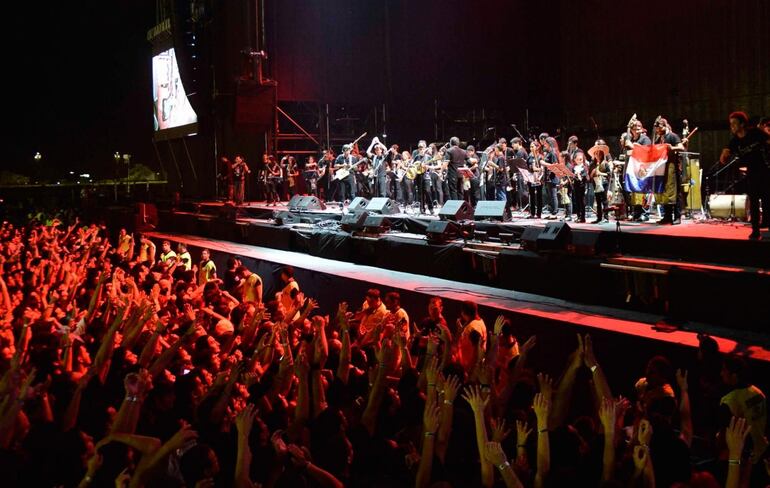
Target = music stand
(527,176)
(560,170)
(465,173)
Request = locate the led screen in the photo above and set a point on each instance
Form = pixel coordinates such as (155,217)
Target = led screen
(172,108)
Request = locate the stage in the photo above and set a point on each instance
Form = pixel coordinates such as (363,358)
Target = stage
(696,272)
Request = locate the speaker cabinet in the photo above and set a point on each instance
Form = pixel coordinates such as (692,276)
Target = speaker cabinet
(383,206)
(529,238)
(439,231)
(492,210)
(376,224)
(456,210)
(358,204)
(554,236)
(353,221)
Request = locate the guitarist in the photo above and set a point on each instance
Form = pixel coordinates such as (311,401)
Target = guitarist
(422,180)
(346,186)
(751,146)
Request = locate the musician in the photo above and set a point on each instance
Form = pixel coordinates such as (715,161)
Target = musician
(457,156)
(751,146)
(437,174)
(599,173)
(536,188)
(551,155)
(636,135)
(240,170)
(670,197)
(579,183)
(471,189)
(346,186)
(326,172)
(422,180)
(502,173)
(519,153)
(392,171)
(291,170)
(274,180)
(572,147)
(380,156)
(312,175)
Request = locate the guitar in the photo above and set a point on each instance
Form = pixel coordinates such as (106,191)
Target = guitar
(344,172)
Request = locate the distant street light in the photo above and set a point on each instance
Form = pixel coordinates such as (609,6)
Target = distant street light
(38,156)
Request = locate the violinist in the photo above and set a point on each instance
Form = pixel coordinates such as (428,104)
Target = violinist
(325,173)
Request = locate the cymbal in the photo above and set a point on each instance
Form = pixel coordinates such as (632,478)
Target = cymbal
(598,147)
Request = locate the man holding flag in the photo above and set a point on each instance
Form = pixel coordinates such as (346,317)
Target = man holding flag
(655,169)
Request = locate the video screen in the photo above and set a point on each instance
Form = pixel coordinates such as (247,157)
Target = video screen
(172,108)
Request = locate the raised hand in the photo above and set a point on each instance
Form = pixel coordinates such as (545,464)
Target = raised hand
(681,379)
(451,387)
(577,357)
(523,431)
(182,437)
(529,345)
(542,406)
(499,432)
(546,385)
(245,419)
(300,456)
(641,457)
(499,322)
(588,354)
(645,432)
(607,415)
(735,436)
(472,394)
(493,452)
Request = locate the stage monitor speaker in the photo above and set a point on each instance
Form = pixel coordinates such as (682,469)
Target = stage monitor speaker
(283,217)
(456,210)
(382,205)
(529,238)
(294,203)
(376,224)
(353,221)
(358,204)
(299,203)
(492,210)
(589,243)
(439,231)
(554,236)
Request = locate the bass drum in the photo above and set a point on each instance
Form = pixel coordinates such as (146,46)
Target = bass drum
(725,206)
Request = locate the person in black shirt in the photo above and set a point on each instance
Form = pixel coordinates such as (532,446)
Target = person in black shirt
(551,156)
(670,196)
(240,170)
(521,189)
(380,159)
(457,157)
(347,185)
(752,147)
(274,180)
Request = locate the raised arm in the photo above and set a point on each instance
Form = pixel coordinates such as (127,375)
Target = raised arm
(607,418)
(494,454)
(478,403)
(430,423)
(685,416)
(542,407)
(735,436)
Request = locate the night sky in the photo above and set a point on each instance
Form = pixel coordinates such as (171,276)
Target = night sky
(79,85)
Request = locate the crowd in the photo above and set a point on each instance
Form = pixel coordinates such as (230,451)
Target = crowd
(127,365)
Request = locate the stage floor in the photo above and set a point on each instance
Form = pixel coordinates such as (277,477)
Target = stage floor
(691,228)
(557,312)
